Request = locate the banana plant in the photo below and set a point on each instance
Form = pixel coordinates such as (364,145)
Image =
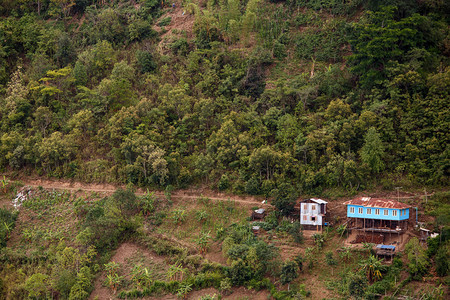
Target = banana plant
(113,281)
(5,183)
(8,228)
(184,290)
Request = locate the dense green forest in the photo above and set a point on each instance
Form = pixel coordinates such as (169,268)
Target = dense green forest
(273,98)
(253,96)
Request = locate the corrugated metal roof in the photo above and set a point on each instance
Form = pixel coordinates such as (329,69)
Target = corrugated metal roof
(260,211)
(377,202)
(390,247)
(318,201)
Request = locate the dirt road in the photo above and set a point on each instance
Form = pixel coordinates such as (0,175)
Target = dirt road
(109,189)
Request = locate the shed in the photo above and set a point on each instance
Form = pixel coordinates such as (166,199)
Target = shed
(258,214)
(385,251)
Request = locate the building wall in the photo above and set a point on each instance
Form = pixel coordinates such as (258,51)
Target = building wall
(311,210)
(369,213)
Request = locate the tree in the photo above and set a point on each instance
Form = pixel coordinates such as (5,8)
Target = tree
(266,161)
(284,197)
(380,40)
(65,52)
(36,285)
(145,61)
(117,88)
(42,119)
(143,156)
(15,107)
(417,259)
(373,151)
(55,150)
(63,7)
(371,266)
(288,272)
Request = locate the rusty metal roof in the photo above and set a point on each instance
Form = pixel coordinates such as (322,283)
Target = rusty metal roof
(377,202)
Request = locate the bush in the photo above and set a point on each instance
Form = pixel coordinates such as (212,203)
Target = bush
(7,223)
(225,286)
(330,259)
(165,22)
(296,232)
(180,47)
(239,272)
(223,183)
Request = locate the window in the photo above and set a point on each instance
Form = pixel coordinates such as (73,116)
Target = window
(394,213)
(304,218)
(313,219)
(313,207)
(305,207)
(377,211)
(352,210)
(386,212)
(369,211)
(360,210)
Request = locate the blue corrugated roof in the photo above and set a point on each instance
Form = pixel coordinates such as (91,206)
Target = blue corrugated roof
(390,247)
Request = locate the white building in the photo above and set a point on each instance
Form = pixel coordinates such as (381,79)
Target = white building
(312,213)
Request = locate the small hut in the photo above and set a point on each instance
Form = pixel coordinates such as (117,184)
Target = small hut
(384,251)
(258,214)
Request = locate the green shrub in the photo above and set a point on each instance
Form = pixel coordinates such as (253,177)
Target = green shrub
(329,259)
(180,47)
(223,183)
(239,272)
(164,22)
(296,231)
(252,186)
(7,223)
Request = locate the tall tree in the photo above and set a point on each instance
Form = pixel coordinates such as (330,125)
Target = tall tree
(373,151)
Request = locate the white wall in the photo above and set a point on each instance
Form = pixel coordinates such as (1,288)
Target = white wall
(310,212)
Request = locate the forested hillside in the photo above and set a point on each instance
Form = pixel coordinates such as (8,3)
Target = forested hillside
(256,97)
